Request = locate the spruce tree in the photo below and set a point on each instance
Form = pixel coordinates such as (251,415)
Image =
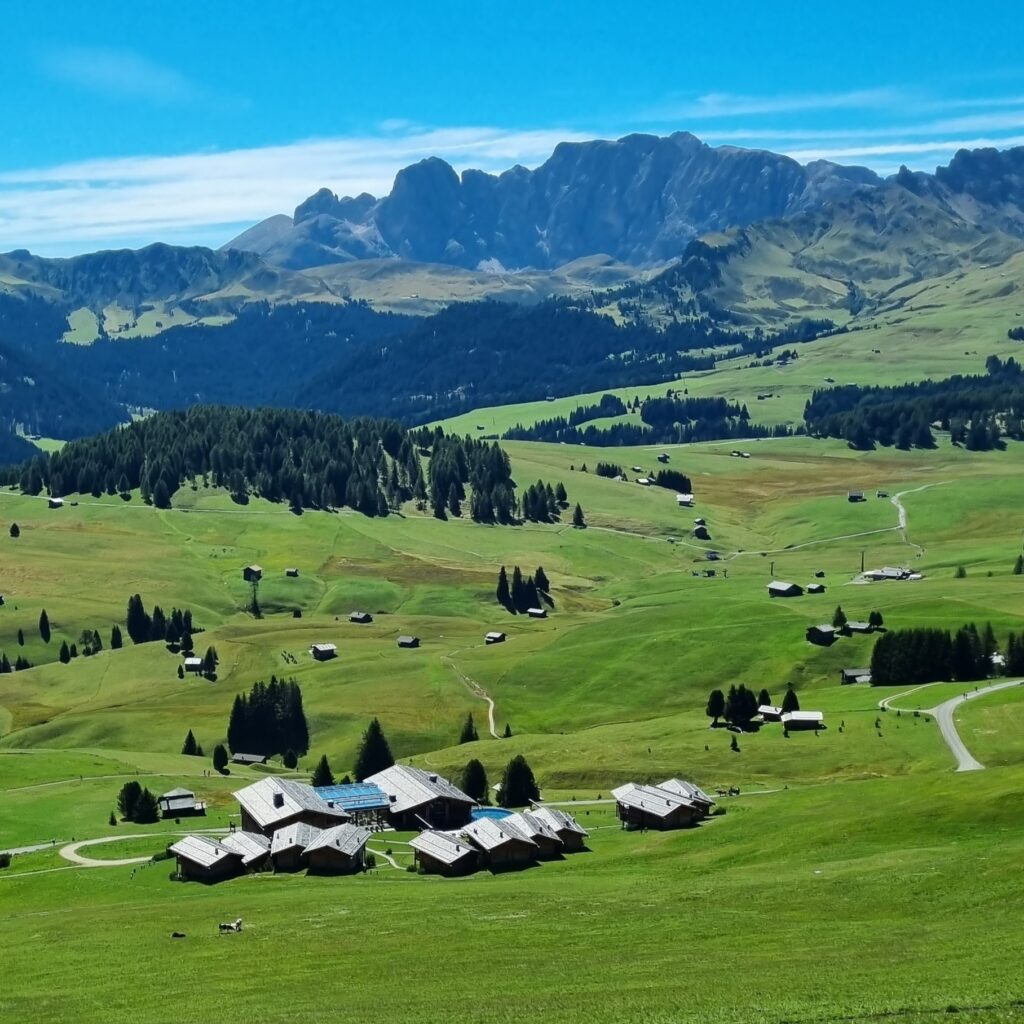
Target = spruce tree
(1018,565)
(112,820)
(322,774)
(161,495)
(5,664)
(181,671)
(128,798)
(578,519)
(469,733)
(116,640)
(189,747)
(146,810)
(474,781)
(508,731)
(504,594)
(540,578)
(220,758)
(764,699)
(44,626)
(374,753)
(790,702)
(716,706)
(15,530)
(290,760)
(839,617)
(65,653)
(21,638)
(518,786)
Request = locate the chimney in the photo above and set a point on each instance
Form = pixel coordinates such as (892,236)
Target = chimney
(279,799)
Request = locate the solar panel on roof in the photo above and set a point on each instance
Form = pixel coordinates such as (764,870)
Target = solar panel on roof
(355,796)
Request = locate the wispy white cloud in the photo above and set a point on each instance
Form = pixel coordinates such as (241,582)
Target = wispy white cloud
(122,74)
(134,200)
(723,105)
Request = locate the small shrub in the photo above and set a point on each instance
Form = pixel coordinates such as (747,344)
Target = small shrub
(371,861)
(5,860)
(411,869)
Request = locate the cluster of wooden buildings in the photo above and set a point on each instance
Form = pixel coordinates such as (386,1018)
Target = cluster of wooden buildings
(290,826)
(674,803)
(791,721)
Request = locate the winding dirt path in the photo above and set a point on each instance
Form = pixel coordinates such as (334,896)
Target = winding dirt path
(70,852)
(474,688)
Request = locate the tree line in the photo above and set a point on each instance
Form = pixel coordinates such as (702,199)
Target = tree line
(930,655)
(523,592)
(269,719)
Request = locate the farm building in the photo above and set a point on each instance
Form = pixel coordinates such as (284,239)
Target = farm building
(565,826)
(652,807)
(288,847)
(701,533)
(684,500)
(252,573)
(803,720)
(408,641)
(362,618)
(644,481)
(770,713)
(815,588)
(365,803)
(855,496)
(691,791)
(858,627)
(536,830)
(201,859)
(500,847)
(292,573)
(193,665)
(338,851)
(888,572)
(177,803)
(439,853)
(494,637)
(419,799)
(248,758)
(700,521)
(663,457)
(324,652)
(780,588)
(854,675)
(537,613)
(272,803)
(253,848)
(823,635)
(56,503)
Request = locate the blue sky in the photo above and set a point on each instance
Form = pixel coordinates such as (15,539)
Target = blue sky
(124,123)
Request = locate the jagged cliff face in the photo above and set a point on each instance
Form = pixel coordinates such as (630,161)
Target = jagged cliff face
(639,199)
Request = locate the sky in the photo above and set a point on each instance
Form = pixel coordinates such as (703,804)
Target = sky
(124,124)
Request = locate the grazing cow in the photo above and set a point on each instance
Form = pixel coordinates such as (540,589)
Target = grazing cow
(231,926)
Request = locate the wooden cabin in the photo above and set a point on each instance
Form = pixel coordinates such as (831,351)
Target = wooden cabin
(421,799)
(338,851)
(202,859)
(439,853)
(640,807)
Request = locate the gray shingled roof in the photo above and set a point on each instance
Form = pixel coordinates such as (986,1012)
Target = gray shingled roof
(250,845)
(559,820)
(202,850)
(258,801)
(442,847)
(650,799)
(689,789)
(413,787)
(489,834)
(347,839)
(297,834)
(529,825)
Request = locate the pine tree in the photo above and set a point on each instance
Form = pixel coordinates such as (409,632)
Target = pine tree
(220,758)
(137,621)
(518,590)
(764,699)
(839,617)
(290,761)
(469,733)
(578,520)
(146,810)
(790,702)
(181,671)
(508,731)
(504,595)
(44,626)
(322,774)
(518,786)
(1018,565)
(189,746)
(112,820)
(65,653)
(128,798)
(161,496)
(210,662)
(21,638)
(15,530)
(374,752)
(474,781)
(716,706)
(540,578)
(5,664)
(560,495)
(875,620)
(116,640)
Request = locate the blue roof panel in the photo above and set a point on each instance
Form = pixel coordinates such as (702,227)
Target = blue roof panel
(356,796)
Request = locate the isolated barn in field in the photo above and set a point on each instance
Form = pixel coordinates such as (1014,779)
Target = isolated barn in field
(822,635)
(644,481)
(56,502)
(640,807)
(700,521)
(855,496)
(663,457)
(701,800)
(537,613)
(854,675)
(291,573)
(408,641)
(803,720)
(770,713)
(288,846)
(253,848)
(780,588)
(240,758)
(565,826)
(684,500)
(324,652)
(500,847)
(272,803)
(701,533)
(420,799)
(888,572)
(201,859)
(494,637)
(338,851)
(858,627)
(439,853)
(180,803)
(815,588)
(361,618)
(193,665)
(252,573)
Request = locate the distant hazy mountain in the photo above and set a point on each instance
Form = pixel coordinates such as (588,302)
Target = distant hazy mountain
(640,199)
